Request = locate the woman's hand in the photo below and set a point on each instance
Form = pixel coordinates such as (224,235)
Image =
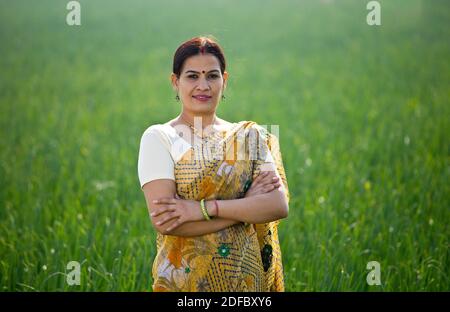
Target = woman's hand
(175,208)
(265,182)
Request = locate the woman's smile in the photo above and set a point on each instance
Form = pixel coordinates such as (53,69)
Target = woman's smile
(202,98)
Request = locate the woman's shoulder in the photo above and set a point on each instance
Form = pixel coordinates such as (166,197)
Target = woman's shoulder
(163,132)
(159,128)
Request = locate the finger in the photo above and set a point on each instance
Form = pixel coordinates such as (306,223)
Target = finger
(258,178)
(270,176)
(261,176)
(157,212)
(174,225)
(266,177)
(270,180)
(268,188)
(276,187)
(258,190)
(166,219)
(167,201)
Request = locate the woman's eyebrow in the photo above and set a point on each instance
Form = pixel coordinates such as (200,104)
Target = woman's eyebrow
(196,72)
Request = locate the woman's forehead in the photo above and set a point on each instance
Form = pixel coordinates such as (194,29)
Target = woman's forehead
(202,63)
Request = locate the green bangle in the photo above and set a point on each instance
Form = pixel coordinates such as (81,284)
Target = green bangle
(204,212)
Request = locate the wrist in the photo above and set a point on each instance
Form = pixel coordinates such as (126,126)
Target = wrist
(211,208)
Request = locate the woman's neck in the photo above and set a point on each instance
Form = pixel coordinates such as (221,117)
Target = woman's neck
(198,121)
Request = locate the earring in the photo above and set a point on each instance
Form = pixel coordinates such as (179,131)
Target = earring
(177,97)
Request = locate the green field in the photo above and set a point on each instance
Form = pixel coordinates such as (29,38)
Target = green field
(363,114)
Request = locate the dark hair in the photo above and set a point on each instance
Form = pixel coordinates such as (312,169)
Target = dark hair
(194,46)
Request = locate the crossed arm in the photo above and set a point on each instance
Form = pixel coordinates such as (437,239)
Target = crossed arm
(264,202)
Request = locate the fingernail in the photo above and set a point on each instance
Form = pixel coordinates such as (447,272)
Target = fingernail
(155,201)
(158,223)
(152,214)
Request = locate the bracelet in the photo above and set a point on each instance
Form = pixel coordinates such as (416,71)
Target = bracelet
(204,212)
(217,207)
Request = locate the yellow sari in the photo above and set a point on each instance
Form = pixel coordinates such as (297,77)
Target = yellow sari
(242,257)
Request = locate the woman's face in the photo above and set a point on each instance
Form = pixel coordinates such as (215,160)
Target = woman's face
(200,84)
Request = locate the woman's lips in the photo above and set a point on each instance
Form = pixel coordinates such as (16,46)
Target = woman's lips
(201,98)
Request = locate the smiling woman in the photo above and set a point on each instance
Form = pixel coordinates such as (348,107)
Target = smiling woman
(215,204)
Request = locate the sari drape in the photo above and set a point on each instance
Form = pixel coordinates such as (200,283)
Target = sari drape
(242,257)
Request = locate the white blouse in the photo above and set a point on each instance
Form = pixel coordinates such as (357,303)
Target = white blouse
(160,148)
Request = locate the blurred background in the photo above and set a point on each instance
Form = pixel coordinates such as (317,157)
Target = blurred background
(363,114)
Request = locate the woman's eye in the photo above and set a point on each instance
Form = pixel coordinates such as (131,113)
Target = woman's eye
(213,76)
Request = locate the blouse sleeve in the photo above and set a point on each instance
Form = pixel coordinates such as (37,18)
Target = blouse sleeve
(155,161)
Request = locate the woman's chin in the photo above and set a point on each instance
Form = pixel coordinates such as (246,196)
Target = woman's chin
(202,107)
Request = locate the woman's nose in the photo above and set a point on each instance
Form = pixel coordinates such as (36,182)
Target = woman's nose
(203,84)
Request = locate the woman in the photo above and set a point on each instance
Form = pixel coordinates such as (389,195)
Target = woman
(215,190)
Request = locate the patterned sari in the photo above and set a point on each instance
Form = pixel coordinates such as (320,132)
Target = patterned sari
(242,257)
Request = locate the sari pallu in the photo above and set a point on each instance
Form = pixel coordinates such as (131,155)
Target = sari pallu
(242,257)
